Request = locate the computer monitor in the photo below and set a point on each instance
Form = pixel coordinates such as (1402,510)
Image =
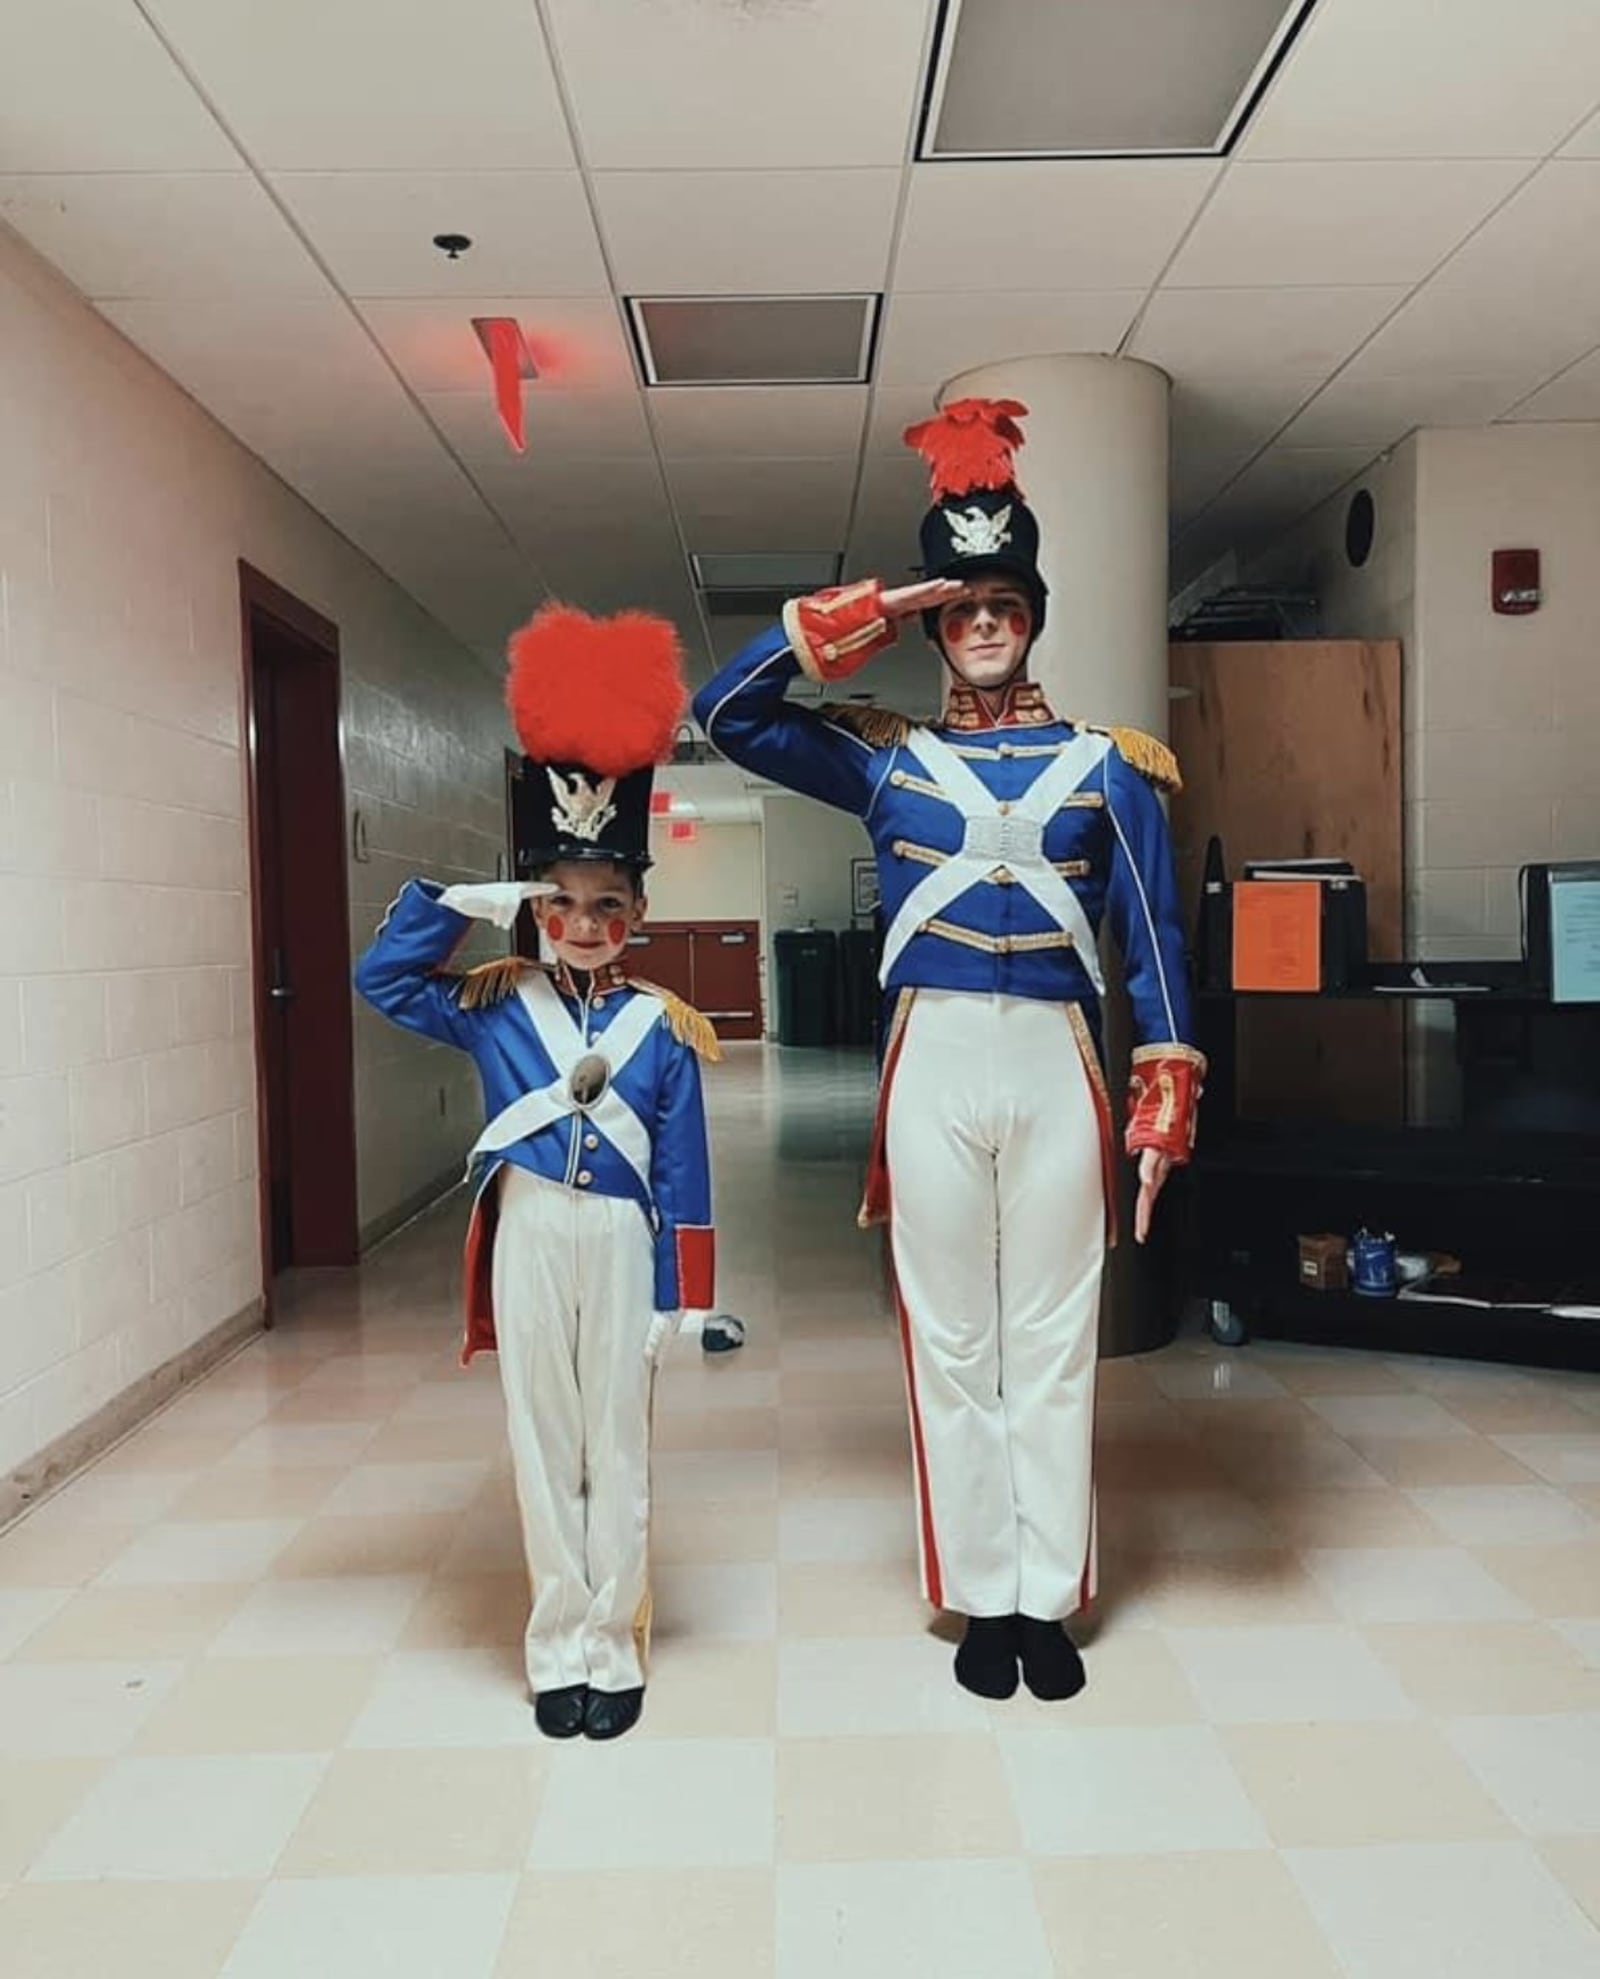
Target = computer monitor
(1561,938)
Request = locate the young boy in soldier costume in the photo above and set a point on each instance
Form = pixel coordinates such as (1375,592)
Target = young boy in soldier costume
(591,1229)
(1004,836)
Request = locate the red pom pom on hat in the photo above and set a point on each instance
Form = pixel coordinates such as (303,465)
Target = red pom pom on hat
(969,445)
(607,693)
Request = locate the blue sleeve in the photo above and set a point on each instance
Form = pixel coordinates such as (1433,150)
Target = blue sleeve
(680,1182)
(1142,904)
(399,974)
(746,718)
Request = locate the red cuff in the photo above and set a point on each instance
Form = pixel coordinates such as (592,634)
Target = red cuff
(697,1266)
(834,633)
(1164,1090)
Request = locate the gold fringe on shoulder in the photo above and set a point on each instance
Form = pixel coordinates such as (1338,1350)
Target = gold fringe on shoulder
(882,728)
(493,982)
(1152,759)
(688,1026)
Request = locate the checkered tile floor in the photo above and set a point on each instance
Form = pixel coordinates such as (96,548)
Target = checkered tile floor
(261,1712)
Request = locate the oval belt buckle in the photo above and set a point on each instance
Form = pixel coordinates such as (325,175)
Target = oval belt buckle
(588,1080)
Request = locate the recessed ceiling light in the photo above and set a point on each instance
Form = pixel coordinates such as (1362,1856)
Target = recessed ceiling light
(754,340)
(1101,78)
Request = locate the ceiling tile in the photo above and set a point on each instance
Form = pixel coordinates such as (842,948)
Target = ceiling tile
(1575,394)
(763,504)
(577,341)
(88,88)
(1344,225)
(1242,333)
(894,408)
(1073,224)
(748,233)
(1482,332)
(368,85)
(155,234)
(827,83)
(1586,142)
(759,419)
(1286,483)
(1432,79)
(1363,409)
(1541,242)
(576,497)
(531,232)
(268,367)
(929,339)
(560,425)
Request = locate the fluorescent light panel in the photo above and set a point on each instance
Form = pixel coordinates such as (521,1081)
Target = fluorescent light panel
(754,340)
(1101,78)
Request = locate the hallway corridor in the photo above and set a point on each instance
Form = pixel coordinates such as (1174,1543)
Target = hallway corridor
(261,1711)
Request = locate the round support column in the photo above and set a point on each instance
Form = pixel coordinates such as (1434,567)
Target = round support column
(1094,471)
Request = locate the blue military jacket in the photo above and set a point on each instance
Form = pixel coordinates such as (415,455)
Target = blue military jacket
(1107,838)
(401,975)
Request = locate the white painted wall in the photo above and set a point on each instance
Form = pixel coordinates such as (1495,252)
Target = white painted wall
(1504,736)
(128,1189)
(716,876)
(808,850)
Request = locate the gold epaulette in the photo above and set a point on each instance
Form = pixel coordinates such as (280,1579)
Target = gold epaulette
(1152,759)
(882,728)
(688,1026)
(492,982)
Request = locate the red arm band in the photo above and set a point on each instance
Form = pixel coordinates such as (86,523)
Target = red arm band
(834,633)
(697,1267)
(1164,1090)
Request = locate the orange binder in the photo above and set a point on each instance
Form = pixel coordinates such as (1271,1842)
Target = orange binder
(1277,935)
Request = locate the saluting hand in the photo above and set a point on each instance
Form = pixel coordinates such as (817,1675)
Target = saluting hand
(907,599)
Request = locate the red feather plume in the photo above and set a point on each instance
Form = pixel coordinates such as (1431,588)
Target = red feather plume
(969,445)
(604,692)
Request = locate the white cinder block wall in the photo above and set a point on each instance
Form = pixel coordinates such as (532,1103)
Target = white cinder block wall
(128,1191)
(1504,730)
(1501,714)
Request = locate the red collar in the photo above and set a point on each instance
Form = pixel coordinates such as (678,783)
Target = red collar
(610,976)
(1022,705)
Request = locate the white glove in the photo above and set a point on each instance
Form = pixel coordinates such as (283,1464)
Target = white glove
(494,900)
(663,1331)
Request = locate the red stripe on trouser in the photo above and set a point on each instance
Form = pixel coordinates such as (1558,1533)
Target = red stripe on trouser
(933,1580)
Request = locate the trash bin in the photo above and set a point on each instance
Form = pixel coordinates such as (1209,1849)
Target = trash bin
(858,986)
(808,968)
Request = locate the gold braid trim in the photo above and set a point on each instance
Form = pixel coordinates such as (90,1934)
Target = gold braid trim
(1152,759)
(687,1024)
(881,728)
(492,982)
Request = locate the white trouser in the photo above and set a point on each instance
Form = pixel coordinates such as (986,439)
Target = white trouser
(573,1289)
(997,1221)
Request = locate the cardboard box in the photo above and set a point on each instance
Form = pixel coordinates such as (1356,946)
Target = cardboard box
(1323,1266)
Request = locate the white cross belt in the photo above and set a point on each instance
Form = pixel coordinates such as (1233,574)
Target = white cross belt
(994,836)
(566,1047)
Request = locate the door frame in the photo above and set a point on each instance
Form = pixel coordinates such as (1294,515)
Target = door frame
(258,593)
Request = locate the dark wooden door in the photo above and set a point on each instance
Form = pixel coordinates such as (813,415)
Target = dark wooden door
(304,1040)
(727,976)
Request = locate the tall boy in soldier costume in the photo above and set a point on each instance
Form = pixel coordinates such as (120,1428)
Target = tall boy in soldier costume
(1004,836)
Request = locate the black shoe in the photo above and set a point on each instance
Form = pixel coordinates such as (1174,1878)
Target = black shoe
(560,1713)
(986,1662)
(720,1333)
(1051,1666)
(610,1713)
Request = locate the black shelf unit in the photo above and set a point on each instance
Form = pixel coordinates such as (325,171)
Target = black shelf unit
(1509,1193)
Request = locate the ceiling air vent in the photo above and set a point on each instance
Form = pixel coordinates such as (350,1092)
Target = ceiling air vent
(754,340)
(1101,78)
(758,584)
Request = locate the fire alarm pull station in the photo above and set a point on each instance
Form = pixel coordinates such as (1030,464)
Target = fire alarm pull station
(1514,586)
